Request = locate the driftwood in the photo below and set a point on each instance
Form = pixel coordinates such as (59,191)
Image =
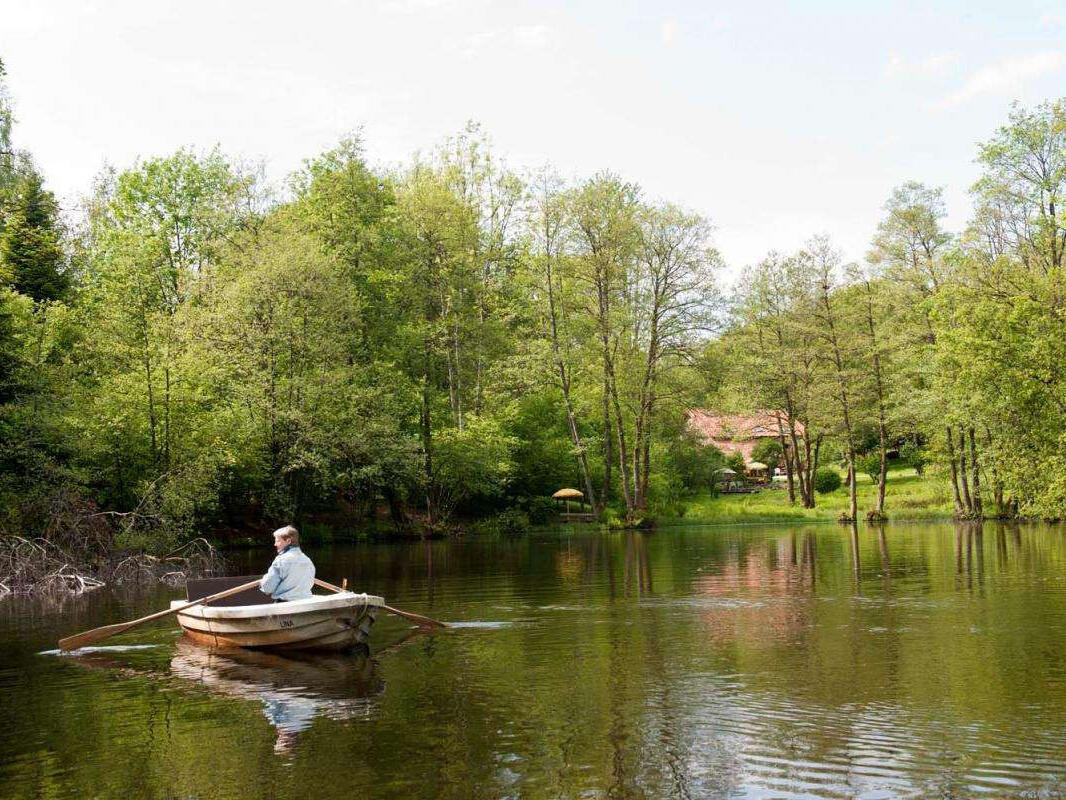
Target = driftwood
(32,566)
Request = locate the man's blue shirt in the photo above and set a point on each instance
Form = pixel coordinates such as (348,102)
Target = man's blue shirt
(290,577)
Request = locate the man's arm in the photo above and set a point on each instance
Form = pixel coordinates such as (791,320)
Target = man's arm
(272,579)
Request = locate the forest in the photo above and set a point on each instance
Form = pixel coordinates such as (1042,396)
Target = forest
(191,348)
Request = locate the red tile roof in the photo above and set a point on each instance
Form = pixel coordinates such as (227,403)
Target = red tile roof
(738,427)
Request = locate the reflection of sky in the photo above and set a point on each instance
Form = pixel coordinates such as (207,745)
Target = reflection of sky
(289,713)
(289,709)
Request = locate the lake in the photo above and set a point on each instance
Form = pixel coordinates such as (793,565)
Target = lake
(922,660)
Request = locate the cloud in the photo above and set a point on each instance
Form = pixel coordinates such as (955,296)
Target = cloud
(934,64)
(532,37)
(526,37)
(1053,20)
(413,6)
(668,32)
(1008,75)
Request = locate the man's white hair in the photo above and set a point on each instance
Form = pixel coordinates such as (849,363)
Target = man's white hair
(289,533)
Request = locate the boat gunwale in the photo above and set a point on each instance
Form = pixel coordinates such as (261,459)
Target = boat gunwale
(339,601)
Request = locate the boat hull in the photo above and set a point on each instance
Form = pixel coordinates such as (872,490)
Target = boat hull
(323,623)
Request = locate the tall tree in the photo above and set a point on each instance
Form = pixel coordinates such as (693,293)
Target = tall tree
(30,250)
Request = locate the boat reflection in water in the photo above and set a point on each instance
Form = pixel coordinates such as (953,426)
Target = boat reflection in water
(294,688)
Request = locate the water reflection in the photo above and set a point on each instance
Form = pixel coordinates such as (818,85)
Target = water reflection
(293,689)
(826,661)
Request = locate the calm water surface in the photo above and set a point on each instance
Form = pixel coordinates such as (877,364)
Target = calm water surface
(739,662)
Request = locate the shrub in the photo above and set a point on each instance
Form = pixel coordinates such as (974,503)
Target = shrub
(870,464)
(512,522)
(827,480)
(913,456)
(691,462)
(768,451)
(736,463)
(540,510)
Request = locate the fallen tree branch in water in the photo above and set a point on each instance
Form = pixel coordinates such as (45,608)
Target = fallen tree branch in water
(31,566)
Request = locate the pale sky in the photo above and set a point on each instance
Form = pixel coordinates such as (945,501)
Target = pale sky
(776,120)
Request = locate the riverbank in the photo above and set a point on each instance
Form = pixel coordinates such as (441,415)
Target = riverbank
(908,496)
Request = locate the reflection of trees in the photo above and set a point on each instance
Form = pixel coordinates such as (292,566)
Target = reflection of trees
(637,579)
(756,662)
(764,590)
(856,561)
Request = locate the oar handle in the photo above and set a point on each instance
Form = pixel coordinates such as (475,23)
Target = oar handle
(427,622)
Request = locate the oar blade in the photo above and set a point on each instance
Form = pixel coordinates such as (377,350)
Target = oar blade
(90,637)
(425,622)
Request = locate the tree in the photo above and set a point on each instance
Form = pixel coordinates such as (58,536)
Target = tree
(30,251)
(822,262)
(768,452)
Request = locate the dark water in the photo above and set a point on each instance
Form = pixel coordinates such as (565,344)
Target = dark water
(757,662)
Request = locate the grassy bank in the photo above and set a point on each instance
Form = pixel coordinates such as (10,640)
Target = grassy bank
(907,496)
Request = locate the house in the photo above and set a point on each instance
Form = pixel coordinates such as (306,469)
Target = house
(739,433)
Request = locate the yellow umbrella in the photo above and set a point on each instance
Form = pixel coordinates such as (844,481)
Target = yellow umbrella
(568,495)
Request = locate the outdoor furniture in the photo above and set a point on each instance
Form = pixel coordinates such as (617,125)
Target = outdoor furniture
(568,516)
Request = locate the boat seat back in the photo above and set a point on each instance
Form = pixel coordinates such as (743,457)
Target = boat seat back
(203,587)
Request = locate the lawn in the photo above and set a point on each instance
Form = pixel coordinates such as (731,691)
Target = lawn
(907,496)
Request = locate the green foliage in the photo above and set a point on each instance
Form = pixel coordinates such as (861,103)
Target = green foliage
(870,464)
(914,456)
(693,462)
(31,256)
(827,480)
(445,340)
(735,462)
(540,510)
(474,461)
(767,451)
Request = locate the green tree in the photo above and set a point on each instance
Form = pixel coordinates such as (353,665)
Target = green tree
(31,253)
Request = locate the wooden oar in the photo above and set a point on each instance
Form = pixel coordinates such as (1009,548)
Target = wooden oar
(425,622)
(96,634)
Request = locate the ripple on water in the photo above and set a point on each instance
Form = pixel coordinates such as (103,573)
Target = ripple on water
(115,648)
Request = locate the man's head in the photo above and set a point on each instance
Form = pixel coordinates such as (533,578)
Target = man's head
(283,537)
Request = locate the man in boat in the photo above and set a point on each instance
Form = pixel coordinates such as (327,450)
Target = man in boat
(292,574)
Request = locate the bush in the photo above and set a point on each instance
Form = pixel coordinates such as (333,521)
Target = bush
(512,522)
(913,456)
(540,510)
(827,480)
(736,463)
(768,451)
(691,462)
(870,464)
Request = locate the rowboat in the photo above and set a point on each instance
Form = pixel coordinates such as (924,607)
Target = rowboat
(322,622)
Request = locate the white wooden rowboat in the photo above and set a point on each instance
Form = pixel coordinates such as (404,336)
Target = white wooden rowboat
(323,622)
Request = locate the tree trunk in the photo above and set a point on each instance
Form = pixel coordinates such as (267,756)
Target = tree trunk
(954,472)
(564,385)
(852,487)
(978,508)
(966,499)
(788,463)
(997,485)
(427,448)
(813,468)
(608,446)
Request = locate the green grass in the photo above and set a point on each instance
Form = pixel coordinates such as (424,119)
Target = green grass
(907,496)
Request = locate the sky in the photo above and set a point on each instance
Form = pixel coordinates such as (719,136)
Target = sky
(776,120)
